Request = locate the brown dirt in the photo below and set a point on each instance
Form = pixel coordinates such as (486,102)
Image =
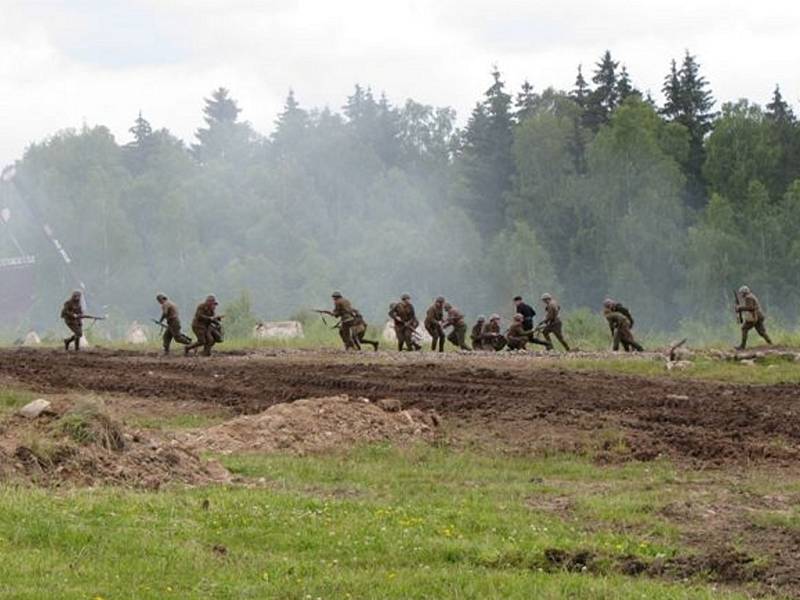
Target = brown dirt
(510,403)
(80,444)
(316,425)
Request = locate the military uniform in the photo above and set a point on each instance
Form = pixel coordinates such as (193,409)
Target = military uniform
(343,310)
(754,317)
(476,335)
(457,337)
(72,313)
(552,322)
(620,323)
(491,336)
(405,324)
(169,313)
(528,313)
(203,327)
(517,337)
(433,325)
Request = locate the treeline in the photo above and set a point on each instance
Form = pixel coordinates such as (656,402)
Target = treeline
(585,193)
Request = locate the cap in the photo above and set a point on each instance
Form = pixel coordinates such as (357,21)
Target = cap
(440,298)
(608,302)
(336,295)
(76,294)
(744,290)
(481,318)
(546,296)
(494,317)
(447,306)
(161,297)
(211,299)
(405,297)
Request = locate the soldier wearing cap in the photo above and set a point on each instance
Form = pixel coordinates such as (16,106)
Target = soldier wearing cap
(620,322)
(433,323)
(552,321)
(72,313)
(172,331)
(750,308)
(492,338)
(205,325)
(405,323)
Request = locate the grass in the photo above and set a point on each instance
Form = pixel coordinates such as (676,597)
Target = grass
(374,523)
(12,400)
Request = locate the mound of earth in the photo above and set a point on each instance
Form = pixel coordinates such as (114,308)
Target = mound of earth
(79,444)
(317,425)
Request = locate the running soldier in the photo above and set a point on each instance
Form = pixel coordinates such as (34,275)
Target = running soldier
(206,326)
(455,319)
(405,323)
(72,313)
(433,324)
(552,321)
(491,337)
(620,322)
(753,316)
(172,330)
(352,326)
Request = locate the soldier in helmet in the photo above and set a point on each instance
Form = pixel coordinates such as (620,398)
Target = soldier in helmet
(206,326)
(172,331)
(528,313)
(455,319)
(72,313)
(552,321)
(517,336)
(492,338)
(753,317)
(476,335)
(620,322)
(405,323)
(433,323)
(352,326)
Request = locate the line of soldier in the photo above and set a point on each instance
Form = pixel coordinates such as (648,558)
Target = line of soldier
(440,316)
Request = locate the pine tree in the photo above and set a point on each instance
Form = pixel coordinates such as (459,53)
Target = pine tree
(624,86)
(605,97)
(137,150)
(672,93)
(291,124)
(525,103)
(786,131)
(220,108)
(778,110)
(223,135)
(580,93)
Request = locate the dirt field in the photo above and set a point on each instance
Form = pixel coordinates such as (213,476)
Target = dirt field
(511,402)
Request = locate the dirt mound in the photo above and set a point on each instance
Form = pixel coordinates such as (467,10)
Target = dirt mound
(317,425)
(79,444)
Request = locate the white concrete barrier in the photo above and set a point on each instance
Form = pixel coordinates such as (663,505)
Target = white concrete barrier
(31,339)
(278,330)
(136,334)
(390,336)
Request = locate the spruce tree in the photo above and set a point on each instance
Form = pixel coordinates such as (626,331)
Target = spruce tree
(137,150)
(778,110)
(786,133)
(525,103)
(291,124)
(580,93)
(224,136)
(605,97)
(624,86)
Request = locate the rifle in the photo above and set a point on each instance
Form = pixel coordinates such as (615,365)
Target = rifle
(322,314)
(159,323)
(93,318)
(737,302)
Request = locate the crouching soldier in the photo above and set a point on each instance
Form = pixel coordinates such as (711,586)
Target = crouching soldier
(620,322)
(172,330)
(517,337)
(476,335)
(753,317)
(206,325)
(492,338)
(455,319)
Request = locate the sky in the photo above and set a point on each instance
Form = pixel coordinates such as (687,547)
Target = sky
(65,63)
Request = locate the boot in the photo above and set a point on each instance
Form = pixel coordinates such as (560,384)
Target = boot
(77,344)
(67,342)
(743,345)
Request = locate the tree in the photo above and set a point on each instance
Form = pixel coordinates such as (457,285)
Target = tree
(525,103)
(605,97)
(624,86)
(787,136)
(136,151)
(224,137)
(290,126)
(580,93)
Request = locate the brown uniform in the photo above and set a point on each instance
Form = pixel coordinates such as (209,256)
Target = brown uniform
(491,337)
(517,336)
(552,323)
(753,318)
(343,310)
(405,324)
(476,335)
(201,326)
(457,337)
(620,322)
(433,325)
(71,312)
(169,313)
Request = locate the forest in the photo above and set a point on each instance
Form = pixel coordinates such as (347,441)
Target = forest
(595,191)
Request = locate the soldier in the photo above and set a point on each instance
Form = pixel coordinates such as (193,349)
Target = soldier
(455,319)
(491,337)
(405,323)
(433,323)
(476,335)
(352,327)
(528,314)
(72,313)
(359,330)
(517,336)
(172,331)
(620,322)
(206,326)
(552,321)
(753,316)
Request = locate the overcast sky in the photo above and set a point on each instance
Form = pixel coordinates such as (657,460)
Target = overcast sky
(65,63)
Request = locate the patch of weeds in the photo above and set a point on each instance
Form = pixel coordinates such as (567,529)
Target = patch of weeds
(88,423)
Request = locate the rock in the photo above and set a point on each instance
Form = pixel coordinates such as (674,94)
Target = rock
(136,334)
(390,404)
(31,339)
(679,364)
(390,336)
(677,397)
(278,330)
(748,362)
(35,408)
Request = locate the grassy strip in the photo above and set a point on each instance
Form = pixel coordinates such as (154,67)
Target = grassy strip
(377,523)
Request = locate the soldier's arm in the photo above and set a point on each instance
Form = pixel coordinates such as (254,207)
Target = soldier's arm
(626,312)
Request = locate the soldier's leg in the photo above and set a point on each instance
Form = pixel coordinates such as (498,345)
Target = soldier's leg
(762,331)
(617,337)
(166,340)
(462,338)
(499,343)
(746,327)
(346,335)
(558,332)
(534,340)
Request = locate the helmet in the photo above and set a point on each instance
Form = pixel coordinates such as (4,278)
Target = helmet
(160,297)
(744,290)
(392,305)
(608,303)
(546,296)
(211,299)
(76,294)
(440,299)
(447,306)
(481,318)
(494,317)
(405,297)
(518,317)
(336,295)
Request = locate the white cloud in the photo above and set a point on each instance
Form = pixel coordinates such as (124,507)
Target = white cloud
(100,61)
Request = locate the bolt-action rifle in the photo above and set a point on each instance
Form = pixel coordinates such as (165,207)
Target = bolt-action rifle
(736,303)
